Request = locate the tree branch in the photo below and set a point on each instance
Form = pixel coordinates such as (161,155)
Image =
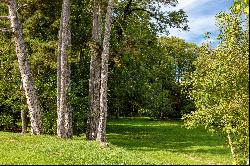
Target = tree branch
(4,1)
(6,30)
(150,13)
(4,17)
(127,9)
(145,10)
(120,26)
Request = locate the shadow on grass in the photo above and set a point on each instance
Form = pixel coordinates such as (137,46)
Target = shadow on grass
(145,135)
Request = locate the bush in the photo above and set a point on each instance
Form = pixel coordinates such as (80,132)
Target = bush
(6,121)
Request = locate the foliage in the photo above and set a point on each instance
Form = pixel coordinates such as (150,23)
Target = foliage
(140,70)
(140,66)
(11,97)
(137,141)
(182,55)
(221,92)
(137,60)
(40,20)
(152,10)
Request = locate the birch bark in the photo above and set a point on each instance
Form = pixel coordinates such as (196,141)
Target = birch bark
(24,66)
(64,121)
(95,73)
(60,117)
(101,130)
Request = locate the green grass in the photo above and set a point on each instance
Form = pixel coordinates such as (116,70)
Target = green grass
(131,141)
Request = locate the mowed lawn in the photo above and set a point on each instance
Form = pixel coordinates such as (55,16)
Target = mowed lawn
(131,141)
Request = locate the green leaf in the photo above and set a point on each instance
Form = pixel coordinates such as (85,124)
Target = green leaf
(246,10)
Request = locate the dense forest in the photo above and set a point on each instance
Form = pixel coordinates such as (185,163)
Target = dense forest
(69,66)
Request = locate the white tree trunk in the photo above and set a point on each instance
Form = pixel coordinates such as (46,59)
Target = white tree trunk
(95,73)
(68,114)
(60,120)
(64,121)
(24,66)
(101,130)
(231,148)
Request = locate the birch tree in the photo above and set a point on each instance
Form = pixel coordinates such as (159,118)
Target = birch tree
(24,67)
(64,121)
(99,74)
(101,130)
(221,83)
(95,72)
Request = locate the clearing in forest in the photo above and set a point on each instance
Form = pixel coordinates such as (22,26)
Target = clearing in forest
(131,141)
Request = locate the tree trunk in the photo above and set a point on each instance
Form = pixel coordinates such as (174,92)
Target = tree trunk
(59,119)
(24,66)
(232,148)
(101,130)
(117,113)
(68,114)
(95,73)
(24,121)
(64,121)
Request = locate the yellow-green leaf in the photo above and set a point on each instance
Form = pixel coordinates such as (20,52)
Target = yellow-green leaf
(237,7)
(246,10)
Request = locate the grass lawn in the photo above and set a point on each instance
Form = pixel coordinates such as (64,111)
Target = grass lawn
(131,141)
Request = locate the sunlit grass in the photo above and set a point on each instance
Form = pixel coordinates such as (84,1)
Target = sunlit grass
(131,141)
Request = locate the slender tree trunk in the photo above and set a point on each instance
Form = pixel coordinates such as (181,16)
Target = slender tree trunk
(24,66)
(68,114)
(232,148)
(24,121)
(101,130)
(64,122)
(95,73)
(117,113)
(60,120)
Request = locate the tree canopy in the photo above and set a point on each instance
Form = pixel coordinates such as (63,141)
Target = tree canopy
(220,83)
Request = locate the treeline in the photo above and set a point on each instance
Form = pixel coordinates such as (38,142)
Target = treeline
(142,67)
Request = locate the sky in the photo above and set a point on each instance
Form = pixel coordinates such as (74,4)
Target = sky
(201,16)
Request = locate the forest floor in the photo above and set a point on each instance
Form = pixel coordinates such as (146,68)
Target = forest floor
(131,141)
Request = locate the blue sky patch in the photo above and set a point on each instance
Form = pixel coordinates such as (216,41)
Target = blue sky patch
(201,16)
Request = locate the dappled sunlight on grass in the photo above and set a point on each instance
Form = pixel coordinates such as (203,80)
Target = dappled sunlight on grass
(131,141)
(147,135)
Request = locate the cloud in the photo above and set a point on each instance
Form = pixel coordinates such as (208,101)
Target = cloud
(201,16)
(198,26)
(190,4)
